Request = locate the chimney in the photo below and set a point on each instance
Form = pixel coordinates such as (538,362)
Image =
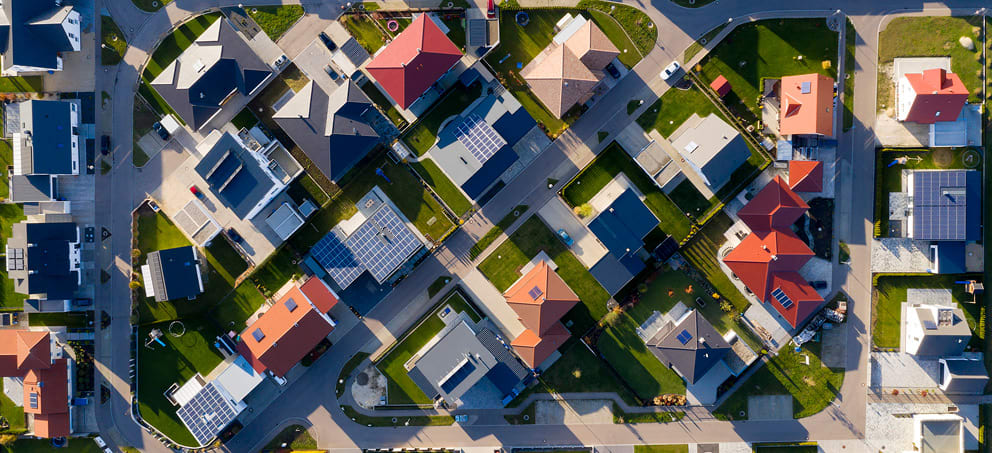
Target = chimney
(774,257)
(764,247)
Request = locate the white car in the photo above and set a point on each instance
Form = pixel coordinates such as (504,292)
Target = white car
(670,70)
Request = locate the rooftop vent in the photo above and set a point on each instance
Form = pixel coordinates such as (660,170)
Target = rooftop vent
(945,316)
(806,88)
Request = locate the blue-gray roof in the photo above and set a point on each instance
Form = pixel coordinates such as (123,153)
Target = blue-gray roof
(692,346)
(175,274)
(234,175)
(51,135)
(33,35)
(947,205)
(45,249)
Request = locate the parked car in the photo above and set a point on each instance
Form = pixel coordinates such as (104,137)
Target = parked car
(331,72)
(234,235)
(670,70)
(833,315)
(196,191)
(327,42)
(565,238)
(164,134)
(83,302)
(281,61)
(104,144)
(613,71)
(818,284)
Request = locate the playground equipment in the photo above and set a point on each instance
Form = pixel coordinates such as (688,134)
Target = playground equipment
(904,160)
(177,328)
(154,337)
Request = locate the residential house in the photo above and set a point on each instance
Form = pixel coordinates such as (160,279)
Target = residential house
(621,228)
(806,175)
(413,61)
(243,180)
(215,68)
(934,95)
(690,346)
(540,298)
(712,148)
(936,331)
(172,274)
(962,375)
(806,105)
(331,128)
(290,328)
(43,259)
(34,35)
(767,261)
(36,360)
(569,70)
(45,139)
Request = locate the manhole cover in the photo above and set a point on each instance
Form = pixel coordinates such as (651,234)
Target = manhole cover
(362,379)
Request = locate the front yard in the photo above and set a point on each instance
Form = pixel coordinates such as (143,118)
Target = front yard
(112,41)
(502,268)
(674,107)
(769,49)
(431,174)
(812,386)
(402,389)
(276,20)
(422,135)
(608,164)
(890,292)
(579,371)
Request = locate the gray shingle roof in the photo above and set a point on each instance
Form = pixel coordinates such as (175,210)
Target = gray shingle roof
(692,347)
(175,273)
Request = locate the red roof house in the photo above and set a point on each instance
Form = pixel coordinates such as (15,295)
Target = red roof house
(414,60)
(931,96)
(540,299)
(775,206)
(295,324)
(28,355)
(767,261)
(806,175)
(806,105)
(721,86)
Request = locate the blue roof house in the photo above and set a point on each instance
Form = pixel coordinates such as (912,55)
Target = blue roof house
(35,33)
(621,228)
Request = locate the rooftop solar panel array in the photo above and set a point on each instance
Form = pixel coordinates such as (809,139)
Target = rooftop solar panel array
(940,205)
(479,137)
(784,300)
(684,337)
(380,245)
(207,413)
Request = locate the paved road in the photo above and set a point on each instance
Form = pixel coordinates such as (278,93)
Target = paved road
(312,396)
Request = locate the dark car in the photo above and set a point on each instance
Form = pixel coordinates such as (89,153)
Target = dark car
(327,42)
(83,302)
(234,235)
(105,144)
(613,71)
(818,284)
(164,134)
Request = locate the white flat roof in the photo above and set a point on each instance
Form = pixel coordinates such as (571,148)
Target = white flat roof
(239,379)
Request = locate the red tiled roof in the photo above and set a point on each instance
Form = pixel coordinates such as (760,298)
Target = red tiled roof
(320,294)
(806,175)
(940,96)
(721,86)
(51,387)
(52,425)
(775,206)
(288,335)
(23,350)
(534,349)
(805,300)
(809,112)
(763,253)
(414,60)
(553,298)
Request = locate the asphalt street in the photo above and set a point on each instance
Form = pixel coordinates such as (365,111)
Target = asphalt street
(312,397)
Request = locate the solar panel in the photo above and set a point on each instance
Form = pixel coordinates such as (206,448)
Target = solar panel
(257,334)
(380,245)
(782,298)
(33,400)
(291,305)
(806,87)
(940,200)
(684,337)
(535,292)
(207,413)
(479,137)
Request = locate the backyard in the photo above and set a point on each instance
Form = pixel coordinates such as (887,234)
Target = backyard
(888,178)
(931,37)
(422,135)
(626,352)
(365,31)
(383,103)
(812,386)
(608,164)
(890,293)
(431,174)
(9,214)
(12,412)
(769,49)
(276,20)
(502,268)
(578,370)
(402,389)
(702,252)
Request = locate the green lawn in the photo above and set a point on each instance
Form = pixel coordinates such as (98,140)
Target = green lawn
(12,412)
(174,44)
(159,367)
(232,312)
(9,215)
(71,319)
(157,232)
(402,389)
(383,103)
(447,190)
(456,31)
(305,187)
(579,371)
(496,230)
(812,386)
(633,21)
(275,271)
(697,46)
(850,43)
(225,259)
(75,445)
(702,251)
(627,354)
(150,5)
(346,371)
(889,179)
(275,20)
(245,119)
(629,54)
(113,43)
(661,448)
(609,163)
(422,135)
(689,200)
(769,48)
(295,437)
(27,84)
(502,267)
(890,292)
(674,107)
(935,36)
(365,31)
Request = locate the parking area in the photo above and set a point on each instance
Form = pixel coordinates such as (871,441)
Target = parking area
(769,407)
(586,247)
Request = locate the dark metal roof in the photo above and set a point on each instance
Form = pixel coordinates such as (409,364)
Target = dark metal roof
(947,205)
(49,123)
(234,175)
(45,248)
(692,347)
(32,34)
(31,188)
(967,376)
(174,273)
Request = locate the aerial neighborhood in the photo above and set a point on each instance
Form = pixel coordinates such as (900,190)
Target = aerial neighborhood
(524,226)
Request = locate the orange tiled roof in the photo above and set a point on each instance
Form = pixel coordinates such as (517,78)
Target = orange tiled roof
(540,298)
(775,206)
(805,111)
(23,350)
(534,349)
(940,96)
(806,175)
